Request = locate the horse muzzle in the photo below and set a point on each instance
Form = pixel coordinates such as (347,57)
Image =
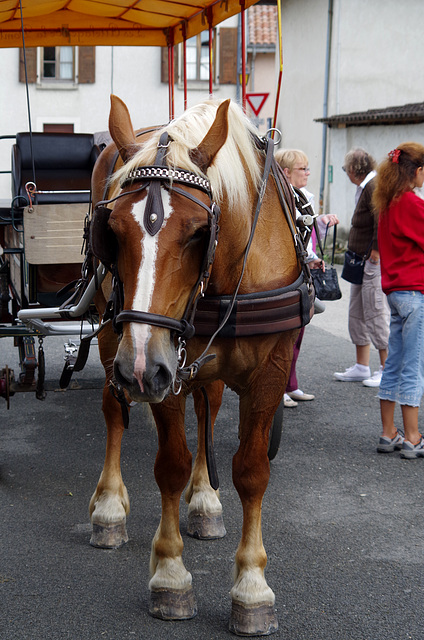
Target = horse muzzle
(150,381)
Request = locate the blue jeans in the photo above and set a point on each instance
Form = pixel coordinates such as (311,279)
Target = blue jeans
(403,375)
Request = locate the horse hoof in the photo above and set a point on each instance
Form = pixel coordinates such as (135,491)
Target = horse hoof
(206,527)
(109,536)
(172,605)
(259,620)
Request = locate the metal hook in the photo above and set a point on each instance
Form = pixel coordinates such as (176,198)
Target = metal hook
(269,135)
(31,189)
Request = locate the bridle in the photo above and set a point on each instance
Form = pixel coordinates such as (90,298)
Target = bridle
(155,177)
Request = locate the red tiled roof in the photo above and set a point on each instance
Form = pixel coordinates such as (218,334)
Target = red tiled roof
(262,25)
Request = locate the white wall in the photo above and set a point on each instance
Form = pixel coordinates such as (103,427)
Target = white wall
(304,49)
(377,52)
(376,57)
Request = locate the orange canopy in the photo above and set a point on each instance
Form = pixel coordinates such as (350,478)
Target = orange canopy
(109,22)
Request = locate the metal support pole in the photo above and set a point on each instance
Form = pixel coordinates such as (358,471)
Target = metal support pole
(184,30)
(280,72)
(210,53)
(171,75)
(243,54)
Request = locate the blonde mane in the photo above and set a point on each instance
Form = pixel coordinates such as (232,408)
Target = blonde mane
(236,162)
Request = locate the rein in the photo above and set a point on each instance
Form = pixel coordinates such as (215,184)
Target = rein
(188,373)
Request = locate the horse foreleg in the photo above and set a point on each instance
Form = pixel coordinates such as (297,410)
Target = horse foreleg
(110,503)
(171,595)
(205,520)
(252,599)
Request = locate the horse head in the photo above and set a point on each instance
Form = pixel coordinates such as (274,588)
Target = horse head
(154,240)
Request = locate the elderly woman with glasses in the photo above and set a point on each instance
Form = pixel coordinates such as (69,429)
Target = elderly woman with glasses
(294,163)
(368,308)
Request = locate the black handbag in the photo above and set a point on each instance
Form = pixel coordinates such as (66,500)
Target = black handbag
(354,265)
(326,282)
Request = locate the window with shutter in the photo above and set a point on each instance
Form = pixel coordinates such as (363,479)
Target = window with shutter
(198,59)
(58,65)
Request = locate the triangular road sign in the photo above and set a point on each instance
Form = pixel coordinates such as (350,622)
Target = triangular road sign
(256,101)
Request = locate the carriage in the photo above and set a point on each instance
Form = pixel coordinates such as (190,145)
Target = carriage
(193,276)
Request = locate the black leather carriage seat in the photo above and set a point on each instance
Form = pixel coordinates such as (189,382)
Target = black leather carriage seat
(63,165)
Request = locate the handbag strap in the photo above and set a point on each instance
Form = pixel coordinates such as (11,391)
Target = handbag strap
(321,248)
(365,255)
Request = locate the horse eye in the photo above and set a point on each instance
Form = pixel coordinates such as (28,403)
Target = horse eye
(199,234)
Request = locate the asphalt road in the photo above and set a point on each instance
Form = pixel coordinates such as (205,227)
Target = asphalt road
(342,525)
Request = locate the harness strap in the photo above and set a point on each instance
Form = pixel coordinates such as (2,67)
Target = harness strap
(182,327)
(119,395)
(299,246)
(84,348)
(256,313)
(209,450)
(187,373)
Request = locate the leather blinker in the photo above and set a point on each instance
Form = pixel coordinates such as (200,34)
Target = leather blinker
(154,213)
(103,242)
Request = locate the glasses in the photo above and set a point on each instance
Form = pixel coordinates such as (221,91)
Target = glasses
(305,169)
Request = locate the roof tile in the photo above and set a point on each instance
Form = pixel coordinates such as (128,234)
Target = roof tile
(262,25)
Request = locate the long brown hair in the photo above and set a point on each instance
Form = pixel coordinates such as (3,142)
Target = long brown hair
(396,174)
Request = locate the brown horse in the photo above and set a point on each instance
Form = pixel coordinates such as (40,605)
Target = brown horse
(154,240)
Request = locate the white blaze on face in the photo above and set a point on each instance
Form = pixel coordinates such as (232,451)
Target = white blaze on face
(146,280)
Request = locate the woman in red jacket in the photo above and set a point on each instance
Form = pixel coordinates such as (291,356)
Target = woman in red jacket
(401,244)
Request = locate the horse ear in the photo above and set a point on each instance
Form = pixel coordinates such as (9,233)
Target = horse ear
(121,129)
(204,154)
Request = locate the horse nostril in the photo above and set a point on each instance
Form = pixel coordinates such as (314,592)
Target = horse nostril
(162,377)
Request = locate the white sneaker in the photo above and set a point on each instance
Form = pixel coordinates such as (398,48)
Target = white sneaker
(375,379)
(357,373)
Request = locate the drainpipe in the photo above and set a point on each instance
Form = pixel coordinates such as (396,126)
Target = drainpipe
(325,105)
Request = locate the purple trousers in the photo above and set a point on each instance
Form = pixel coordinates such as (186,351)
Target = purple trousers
(292,384)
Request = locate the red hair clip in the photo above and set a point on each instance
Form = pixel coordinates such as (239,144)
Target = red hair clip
(394,155)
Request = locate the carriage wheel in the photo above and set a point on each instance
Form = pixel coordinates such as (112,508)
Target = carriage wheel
(275,432)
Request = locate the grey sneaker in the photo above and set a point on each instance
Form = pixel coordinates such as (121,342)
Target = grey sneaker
(411,451)
(387,445)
